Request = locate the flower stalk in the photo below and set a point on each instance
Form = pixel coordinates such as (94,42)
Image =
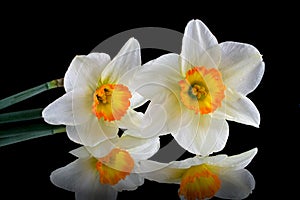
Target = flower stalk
(23,115)
(28,132)
(6,102)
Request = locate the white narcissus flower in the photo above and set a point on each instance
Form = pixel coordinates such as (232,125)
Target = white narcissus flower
(200,88)
(99,98)
(205,177)
(102,171)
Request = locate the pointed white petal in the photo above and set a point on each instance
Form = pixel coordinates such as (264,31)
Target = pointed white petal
(187,163)
(204,136)
(82,178)
(137,100)
(198,160)
(238,108)
(214,160)
(197,31)
(73,134)
(71,109)
(72,175)
(60,111)
(238,161)
(236,184)
(127,78)
(131,120)
(99,60)
(85,70)
(128,58)
(199,47)
(80,152)
(241,66)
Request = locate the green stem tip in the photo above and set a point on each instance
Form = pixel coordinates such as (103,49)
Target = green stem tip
(56,83)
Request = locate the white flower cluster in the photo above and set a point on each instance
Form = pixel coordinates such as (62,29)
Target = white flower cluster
(191,96)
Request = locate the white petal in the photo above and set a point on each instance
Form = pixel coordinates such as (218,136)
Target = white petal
(110,130)
(241,66)
(236,184)
(82,178)
(184,164)
(73,134)
(80,152)
(198,31)
(214,160)
(139,149)
(173,112)
(128,58)
(131,120)
(85,70)
(155,120)
(92,132)
(199,47)
(238,108)
(103,148)
(100,60)
(72,108)
(187,163)
(198,160)
(127,78)
(159,75)
(60,111)
(152,124)
(131,182)
(239,161)
(204,136)
(128,142)
(160,172)
(137,100)
(159,83)
(162,116)
(82,101)
(70,176)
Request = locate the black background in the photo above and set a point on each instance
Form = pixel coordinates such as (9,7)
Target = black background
(38,43)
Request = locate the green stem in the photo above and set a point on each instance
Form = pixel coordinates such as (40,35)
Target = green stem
(30,93)
(21,115)
(24,133)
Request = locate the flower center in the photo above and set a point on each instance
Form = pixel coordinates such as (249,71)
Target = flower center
(202,90)
(199,182)
(199,91)
(111,101)
(103,94)
(114,167)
